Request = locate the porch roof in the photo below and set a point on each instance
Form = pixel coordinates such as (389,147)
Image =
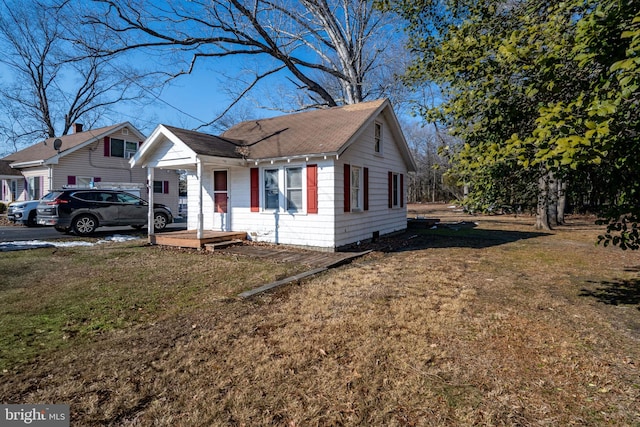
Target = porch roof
(208,145)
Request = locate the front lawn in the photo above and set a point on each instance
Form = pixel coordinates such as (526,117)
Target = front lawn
(488,323)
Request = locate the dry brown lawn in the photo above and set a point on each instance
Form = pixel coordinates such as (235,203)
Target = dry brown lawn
(472,324)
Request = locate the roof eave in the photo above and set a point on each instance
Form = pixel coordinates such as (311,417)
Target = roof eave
(29,164)
(293,157)
(222,161)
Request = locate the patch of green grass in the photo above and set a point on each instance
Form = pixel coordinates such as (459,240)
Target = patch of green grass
(52,297)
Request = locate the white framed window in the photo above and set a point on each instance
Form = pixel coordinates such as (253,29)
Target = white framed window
(122,148)
(33,187)
(356,188)
(284,189)
(377,138)
(271,189)
(84,181)
(293,189)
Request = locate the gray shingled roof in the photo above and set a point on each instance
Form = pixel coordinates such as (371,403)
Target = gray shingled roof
(310,132)
(300,134)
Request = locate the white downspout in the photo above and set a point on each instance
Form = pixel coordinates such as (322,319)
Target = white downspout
(200,229)
(50,178)
(150,229)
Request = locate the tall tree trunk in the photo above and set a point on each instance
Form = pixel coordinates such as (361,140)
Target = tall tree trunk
(562,200)
(542,214)
(552,199)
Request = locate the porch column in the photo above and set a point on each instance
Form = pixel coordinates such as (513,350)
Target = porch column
(200,229)
(150,229)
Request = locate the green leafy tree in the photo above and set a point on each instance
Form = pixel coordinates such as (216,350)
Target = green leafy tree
(546,90)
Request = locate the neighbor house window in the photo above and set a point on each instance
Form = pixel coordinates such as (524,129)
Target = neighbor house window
(161,187)
(356,189)
(122,148)
(14,189)
(271,189)
(34,187)
(377,138)
(83,181)
(294,189)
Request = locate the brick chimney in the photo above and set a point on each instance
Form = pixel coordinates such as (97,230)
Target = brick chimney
(77,127)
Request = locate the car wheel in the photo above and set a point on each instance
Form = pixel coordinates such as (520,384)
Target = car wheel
(159,221)
(84,225)
(31,221)
(61,229)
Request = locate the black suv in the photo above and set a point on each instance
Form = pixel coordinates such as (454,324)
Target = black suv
(85,210)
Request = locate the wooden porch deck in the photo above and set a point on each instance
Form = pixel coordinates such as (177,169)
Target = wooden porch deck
(189,239)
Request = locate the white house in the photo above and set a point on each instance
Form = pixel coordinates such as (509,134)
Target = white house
(83,158)
(321,179)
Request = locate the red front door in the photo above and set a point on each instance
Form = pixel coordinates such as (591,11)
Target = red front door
(220,199)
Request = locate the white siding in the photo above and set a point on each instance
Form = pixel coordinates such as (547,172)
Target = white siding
(6,184)
(359,226)
(281,227)
(168,153)
(40,173)
(331,227)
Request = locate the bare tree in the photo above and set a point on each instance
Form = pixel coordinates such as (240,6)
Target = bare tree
(429,183)
(332,51)
(52,82)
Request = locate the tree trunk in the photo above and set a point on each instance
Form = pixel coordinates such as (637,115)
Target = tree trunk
(552,199)
(562,200)
(542,214)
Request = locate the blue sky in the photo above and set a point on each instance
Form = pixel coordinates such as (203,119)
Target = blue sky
(191,100)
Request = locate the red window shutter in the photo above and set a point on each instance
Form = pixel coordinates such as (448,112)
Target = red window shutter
(390,190)
(365,189)
(312,189)
(401,190)
(347,188)
(71,180)
(97,179)
(165,187)
(107,146)
(255,189)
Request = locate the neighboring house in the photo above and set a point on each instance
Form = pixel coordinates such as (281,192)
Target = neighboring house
(322,179)
(84,158)
(10,180)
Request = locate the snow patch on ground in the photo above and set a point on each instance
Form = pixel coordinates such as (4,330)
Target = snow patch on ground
(32,244)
